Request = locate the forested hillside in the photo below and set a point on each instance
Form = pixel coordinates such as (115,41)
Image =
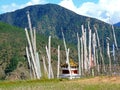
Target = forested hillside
(13,61)
(51,19)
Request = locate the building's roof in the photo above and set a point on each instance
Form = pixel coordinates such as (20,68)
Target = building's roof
(72,64)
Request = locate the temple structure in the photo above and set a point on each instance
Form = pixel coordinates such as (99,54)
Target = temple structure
(69,71)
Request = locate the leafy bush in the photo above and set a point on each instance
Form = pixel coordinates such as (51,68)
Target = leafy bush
(12,66)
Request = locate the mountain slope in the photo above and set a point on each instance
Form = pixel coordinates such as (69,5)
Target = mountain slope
(13,61)
(12,44)
(117,24)
(50,19)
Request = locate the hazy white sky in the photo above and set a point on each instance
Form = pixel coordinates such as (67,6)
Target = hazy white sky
(100,9)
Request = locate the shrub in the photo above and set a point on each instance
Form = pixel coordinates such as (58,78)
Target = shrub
(12,66)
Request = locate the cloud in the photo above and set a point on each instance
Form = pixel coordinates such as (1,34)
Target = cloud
(68,4)
(7,8)
(33,2)
(101,10)
(14,6)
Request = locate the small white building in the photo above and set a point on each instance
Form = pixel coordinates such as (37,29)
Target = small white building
(71,72)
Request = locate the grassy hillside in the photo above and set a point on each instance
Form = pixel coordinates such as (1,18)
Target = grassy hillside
(12,44)
(13,62)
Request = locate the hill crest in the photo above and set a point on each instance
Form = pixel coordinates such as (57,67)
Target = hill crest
(50,19)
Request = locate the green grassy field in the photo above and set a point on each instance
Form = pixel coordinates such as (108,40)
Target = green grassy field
(97,83)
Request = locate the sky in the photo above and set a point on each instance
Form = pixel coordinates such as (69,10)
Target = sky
(105,10)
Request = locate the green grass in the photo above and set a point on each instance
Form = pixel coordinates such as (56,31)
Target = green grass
(62,84)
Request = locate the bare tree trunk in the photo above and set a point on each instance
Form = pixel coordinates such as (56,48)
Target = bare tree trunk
(100,50)
(79,54)
(58,65)
(44,65)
